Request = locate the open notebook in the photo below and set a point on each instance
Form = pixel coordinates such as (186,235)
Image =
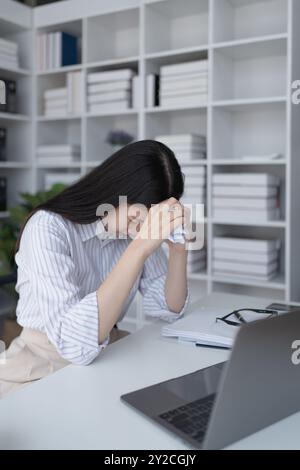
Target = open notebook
(201,328)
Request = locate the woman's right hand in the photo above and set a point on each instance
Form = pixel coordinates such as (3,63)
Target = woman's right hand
(161,221)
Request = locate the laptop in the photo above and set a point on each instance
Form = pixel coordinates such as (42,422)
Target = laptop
(214,407)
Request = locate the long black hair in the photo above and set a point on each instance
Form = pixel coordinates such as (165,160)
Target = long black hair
(147,172)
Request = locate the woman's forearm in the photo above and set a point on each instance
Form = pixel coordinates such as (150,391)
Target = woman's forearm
(114,291)
(176,282)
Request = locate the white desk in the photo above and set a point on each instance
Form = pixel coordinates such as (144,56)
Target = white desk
(80,407)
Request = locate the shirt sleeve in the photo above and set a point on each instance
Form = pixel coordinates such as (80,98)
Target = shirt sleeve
(71,321)
(152,288)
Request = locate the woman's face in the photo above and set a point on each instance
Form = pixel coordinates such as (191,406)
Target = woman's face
(126,220)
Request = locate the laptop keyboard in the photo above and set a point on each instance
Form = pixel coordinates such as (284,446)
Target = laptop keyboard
(191,419)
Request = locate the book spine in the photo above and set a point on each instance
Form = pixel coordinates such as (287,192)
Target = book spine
(3,137)
(3,194)
(111,75)
(69,49)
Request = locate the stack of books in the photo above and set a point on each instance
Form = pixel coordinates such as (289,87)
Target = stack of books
(8,54)
(184,84)
(246,197)
(56,155)
(56,50)
(66,100)
(3,139)
(110,91)
(194,184)
(185,146)
(251,258)
(196,261)
(60,178)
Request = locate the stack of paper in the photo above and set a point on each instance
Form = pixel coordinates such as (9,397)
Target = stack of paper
(184,84)
(196,261)
(194,184)
(110,91)
(251,258)
(8,54)
(60,177)
(246,196)
(185,146)
(56,155)
(66,100)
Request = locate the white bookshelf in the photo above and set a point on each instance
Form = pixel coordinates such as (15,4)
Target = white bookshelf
(251,46)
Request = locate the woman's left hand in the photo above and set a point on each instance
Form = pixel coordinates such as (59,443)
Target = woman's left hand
(186,214)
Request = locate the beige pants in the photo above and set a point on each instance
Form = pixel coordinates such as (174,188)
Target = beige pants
(30,357)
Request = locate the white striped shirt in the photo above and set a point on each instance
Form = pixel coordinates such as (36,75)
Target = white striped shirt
(60,267)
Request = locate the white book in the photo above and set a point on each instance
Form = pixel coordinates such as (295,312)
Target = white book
(244,268)
(8,55)
(59,103)
(246,215)
(8,64)
(183,139)
(150,90)
(50,51)
(109,107)
(184,84)
(74,81)
(58,149)
(70,92)
(202,329)
(60,177)
(58,160)
(185,92)
(193,172)
(202,75)
(109,97)
(185,67)
(56,112)
(110,86)
(195,182)
(247,277)
(187,156)
(245,191)
(258,158)
(193,201)
(55,93)
(110,75)
(45,46)
(231,203)
(188,100)
(9,46)
(249,179)
(38,53)
(136,92)
(195,192)
(185,147)
(246,257)
(253,245)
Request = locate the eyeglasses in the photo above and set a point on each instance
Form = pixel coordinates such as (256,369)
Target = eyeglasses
(241,319)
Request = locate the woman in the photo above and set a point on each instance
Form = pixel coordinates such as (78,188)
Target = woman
(78,272)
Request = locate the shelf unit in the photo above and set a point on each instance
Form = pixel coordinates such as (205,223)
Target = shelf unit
(16,25)
(251,46)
